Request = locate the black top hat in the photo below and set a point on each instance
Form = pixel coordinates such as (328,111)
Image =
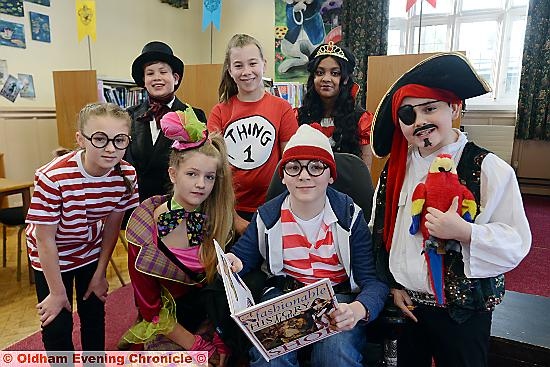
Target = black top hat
(331,49)
(156,51)
(450,71)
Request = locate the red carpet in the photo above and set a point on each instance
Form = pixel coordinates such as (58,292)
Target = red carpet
(531,276)
(120,314)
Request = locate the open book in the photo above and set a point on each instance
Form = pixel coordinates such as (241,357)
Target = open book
(282,324)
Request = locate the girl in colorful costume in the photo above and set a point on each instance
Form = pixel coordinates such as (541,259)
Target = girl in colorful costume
(171,257)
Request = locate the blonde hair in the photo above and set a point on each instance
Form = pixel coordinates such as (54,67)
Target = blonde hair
(218,206)
(228,87)
(101,109)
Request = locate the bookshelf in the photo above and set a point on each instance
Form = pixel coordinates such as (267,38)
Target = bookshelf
(123,93)
(75,88)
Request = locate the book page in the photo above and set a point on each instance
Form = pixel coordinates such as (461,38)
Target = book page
(290,321)
(238,295)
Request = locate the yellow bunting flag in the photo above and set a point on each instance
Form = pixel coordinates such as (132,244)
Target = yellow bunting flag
(85,18)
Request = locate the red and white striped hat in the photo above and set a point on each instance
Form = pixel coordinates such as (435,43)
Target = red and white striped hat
(309,144)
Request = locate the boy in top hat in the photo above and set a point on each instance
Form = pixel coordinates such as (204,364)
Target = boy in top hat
(160,72)
(413,123)
(310,232)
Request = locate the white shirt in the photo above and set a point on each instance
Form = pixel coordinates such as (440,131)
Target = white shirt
(500,238)
(155,131)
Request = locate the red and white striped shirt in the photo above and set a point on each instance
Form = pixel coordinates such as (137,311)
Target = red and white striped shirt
(305,261)
(66,195)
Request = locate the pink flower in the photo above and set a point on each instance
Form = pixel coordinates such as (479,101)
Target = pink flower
(172,126)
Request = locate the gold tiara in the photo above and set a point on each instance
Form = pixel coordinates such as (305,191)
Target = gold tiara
(331,49)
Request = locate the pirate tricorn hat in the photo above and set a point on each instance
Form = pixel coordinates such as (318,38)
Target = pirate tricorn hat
(449,71)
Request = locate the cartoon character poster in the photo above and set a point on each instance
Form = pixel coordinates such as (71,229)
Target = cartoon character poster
(301,26)
(11,88)
(12,7)
(12,34)
(27,86)
(40,27)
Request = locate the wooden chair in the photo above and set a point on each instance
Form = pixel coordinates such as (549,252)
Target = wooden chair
(122,238)
(15,217)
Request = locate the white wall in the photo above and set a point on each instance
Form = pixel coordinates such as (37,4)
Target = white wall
(123,27)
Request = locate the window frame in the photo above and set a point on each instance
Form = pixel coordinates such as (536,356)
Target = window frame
(505,16)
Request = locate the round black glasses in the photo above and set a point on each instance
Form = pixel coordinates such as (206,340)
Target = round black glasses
(406,113)
(314,168)
(100,140)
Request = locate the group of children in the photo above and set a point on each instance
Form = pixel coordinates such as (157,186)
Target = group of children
(200,181)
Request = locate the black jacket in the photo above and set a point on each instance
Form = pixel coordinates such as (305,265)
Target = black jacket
(151,161)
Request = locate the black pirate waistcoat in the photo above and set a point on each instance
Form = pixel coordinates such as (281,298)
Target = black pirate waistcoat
(464,295)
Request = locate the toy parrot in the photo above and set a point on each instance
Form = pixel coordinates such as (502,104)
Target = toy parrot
(441,186)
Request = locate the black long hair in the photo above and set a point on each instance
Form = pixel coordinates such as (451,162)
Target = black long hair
(346,112)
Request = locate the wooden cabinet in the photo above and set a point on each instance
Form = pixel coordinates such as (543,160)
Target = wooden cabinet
(76,88)
(73,90)
(200,86)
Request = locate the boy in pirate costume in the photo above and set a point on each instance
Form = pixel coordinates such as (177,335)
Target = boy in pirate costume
(413,123)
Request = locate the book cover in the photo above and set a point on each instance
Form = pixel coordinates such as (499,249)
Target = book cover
(282,324)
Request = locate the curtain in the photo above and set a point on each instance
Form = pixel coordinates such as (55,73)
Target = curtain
(533,116)
(365,33)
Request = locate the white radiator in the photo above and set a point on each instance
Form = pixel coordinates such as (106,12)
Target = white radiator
(498,139)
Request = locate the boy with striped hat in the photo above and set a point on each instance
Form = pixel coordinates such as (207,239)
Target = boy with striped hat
(310,232)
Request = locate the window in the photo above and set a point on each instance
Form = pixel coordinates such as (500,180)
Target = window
(491,32)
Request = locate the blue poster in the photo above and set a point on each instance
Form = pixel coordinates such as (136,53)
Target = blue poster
(12,34)
(12,7)
(41,2)
(40,27)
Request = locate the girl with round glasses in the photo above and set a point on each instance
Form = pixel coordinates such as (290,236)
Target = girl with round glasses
(73,221)
(100,140)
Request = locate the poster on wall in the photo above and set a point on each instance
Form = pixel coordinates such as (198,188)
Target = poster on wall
(3,71)
(40,27)
(27,86)
(12,7)
(41,2)
(12,34)
(11,88)
(301,26)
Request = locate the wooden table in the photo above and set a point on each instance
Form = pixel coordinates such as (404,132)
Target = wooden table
(11,187)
